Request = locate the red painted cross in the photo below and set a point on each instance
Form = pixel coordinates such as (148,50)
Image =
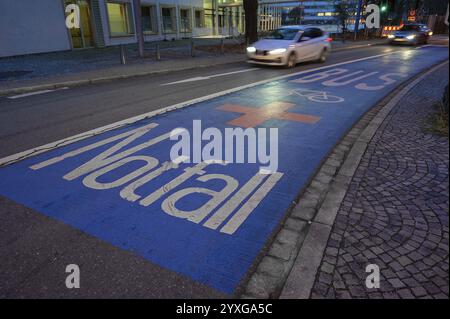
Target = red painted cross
(255,116)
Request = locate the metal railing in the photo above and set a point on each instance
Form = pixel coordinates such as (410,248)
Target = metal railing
(181,48)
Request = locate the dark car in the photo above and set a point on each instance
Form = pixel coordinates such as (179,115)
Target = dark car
(411,34)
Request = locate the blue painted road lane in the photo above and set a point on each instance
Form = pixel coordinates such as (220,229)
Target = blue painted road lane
(206,221)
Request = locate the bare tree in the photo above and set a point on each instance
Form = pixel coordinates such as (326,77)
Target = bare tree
(251,20)
(438,7)
(296,15)
(343,10)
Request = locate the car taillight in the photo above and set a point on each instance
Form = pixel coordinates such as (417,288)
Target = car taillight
(329,40)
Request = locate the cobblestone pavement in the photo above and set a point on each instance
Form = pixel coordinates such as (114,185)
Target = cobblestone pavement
(395,213)
(43,65)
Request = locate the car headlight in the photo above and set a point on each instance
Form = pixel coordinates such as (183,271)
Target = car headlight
(391,36)
(410,37)
(251,49)
(277,51)
(430,33)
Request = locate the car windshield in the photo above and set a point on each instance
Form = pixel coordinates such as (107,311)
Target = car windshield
(283,34)
(410,28)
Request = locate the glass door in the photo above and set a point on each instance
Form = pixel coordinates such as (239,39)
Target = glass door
(82,37)
(85,23)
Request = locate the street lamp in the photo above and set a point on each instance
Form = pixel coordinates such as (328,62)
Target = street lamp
(383,17)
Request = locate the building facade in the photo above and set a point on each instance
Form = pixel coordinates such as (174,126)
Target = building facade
(30,26)
(274,13)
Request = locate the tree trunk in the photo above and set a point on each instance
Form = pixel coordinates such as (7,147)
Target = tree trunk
(251,20)
(138,27)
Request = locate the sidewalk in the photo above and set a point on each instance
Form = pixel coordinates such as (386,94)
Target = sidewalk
(77,67)
(51,70)
(395,212)
(379,197)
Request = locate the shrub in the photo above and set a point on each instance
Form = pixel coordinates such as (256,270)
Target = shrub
(440,120)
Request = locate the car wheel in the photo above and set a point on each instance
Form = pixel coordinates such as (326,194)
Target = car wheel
(323,56)
(291,61)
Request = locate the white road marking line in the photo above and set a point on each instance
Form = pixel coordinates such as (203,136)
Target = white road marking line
(242,214)
(232,72)
(28,94)
(34,93)
(201,78)
(230,206)
(69,140)
(434,45)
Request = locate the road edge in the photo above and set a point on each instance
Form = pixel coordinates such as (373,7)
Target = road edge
(74,83)
(289,266)
(303,274)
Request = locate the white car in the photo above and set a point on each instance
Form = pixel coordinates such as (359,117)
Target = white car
(290,45)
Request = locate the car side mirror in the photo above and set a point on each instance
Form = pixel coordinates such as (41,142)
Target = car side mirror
(302,39)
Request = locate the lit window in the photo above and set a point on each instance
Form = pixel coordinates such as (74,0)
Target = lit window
(120,19)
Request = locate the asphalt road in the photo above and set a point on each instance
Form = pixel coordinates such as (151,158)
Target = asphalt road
(31,121)
(36,248)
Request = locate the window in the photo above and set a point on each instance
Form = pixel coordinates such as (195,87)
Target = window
(312,33)
(410,27)
(120,18)
(307,34)
(236,18)
(185,20)
(168,20)
(198,18)
(149,24)
(317,33)
(208,18)
(283,34)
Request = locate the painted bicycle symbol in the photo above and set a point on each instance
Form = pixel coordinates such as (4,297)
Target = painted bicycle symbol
(318,96)
(312,95)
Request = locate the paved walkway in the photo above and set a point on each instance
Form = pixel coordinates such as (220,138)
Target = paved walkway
(43,71)
(104,63)
(395,213)
(72,61)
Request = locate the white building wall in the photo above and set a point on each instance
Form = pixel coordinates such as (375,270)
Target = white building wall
(30,26)
(177,4)
(36,26)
